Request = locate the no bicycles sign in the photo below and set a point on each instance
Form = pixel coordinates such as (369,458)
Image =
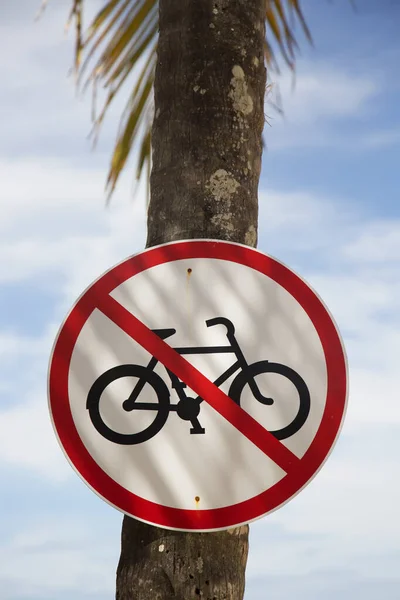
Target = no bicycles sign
(198,385)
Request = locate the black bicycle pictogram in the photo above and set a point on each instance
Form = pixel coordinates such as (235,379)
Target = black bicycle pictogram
(188,408)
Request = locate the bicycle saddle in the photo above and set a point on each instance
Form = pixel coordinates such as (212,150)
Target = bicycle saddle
(164,333)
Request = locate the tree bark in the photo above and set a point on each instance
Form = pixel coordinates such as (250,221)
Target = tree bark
(209,116)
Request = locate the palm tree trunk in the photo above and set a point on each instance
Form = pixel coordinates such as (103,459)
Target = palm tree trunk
(209,116)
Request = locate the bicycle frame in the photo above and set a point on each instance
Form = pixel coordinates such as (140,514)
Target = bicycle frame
(179,386)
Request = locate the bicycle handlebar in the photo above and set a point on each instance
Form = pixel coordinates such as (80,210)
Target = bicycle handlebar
(222,321)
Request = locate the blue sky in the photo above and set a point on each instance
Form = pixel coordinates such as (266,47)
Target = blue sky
(328,208)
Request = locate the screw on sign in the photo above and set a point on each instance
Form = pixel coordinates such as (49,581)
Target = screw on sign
(198,385)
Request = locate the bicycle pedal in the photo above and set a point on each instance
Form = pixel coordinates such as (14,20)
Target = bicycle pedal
(194,430)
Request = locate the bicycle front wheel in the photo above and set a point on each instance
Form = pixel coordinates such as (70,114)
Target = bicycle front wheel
(264,366)
(161,408)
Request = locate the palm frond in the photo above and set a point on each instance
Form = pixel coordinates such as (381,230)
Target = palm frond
(280,30)
(121,41)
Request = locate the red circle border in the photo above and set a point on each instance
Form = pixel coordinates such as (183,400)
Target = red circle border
(219,518)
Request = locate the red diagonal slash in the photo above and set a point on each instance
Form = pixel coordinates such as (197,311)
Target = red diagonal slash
(199,383)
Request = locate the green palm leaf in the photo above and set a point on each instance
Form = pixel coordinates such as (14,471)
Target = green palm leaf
(122,41)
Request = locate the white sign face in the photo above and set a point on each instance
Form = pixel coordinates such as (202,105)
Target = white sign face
(198,385)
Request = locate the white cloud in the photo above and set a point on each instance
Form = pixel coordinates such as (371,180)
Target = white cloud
(57,555)
(27,439)
(343,518)
(297,211)
(378,243)
(44,113)
(355,299)
(381,138)
(320,96)
(39,188)
(321,91)
(55,223)
(13,346)
(309,220)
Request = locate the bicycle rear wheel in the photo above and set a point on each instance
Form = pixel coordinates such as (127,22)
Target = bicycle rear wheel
(265,366)
(161,408)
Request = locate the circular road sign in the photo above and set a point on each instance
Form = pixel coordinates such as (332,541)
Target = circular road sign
(198,385)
